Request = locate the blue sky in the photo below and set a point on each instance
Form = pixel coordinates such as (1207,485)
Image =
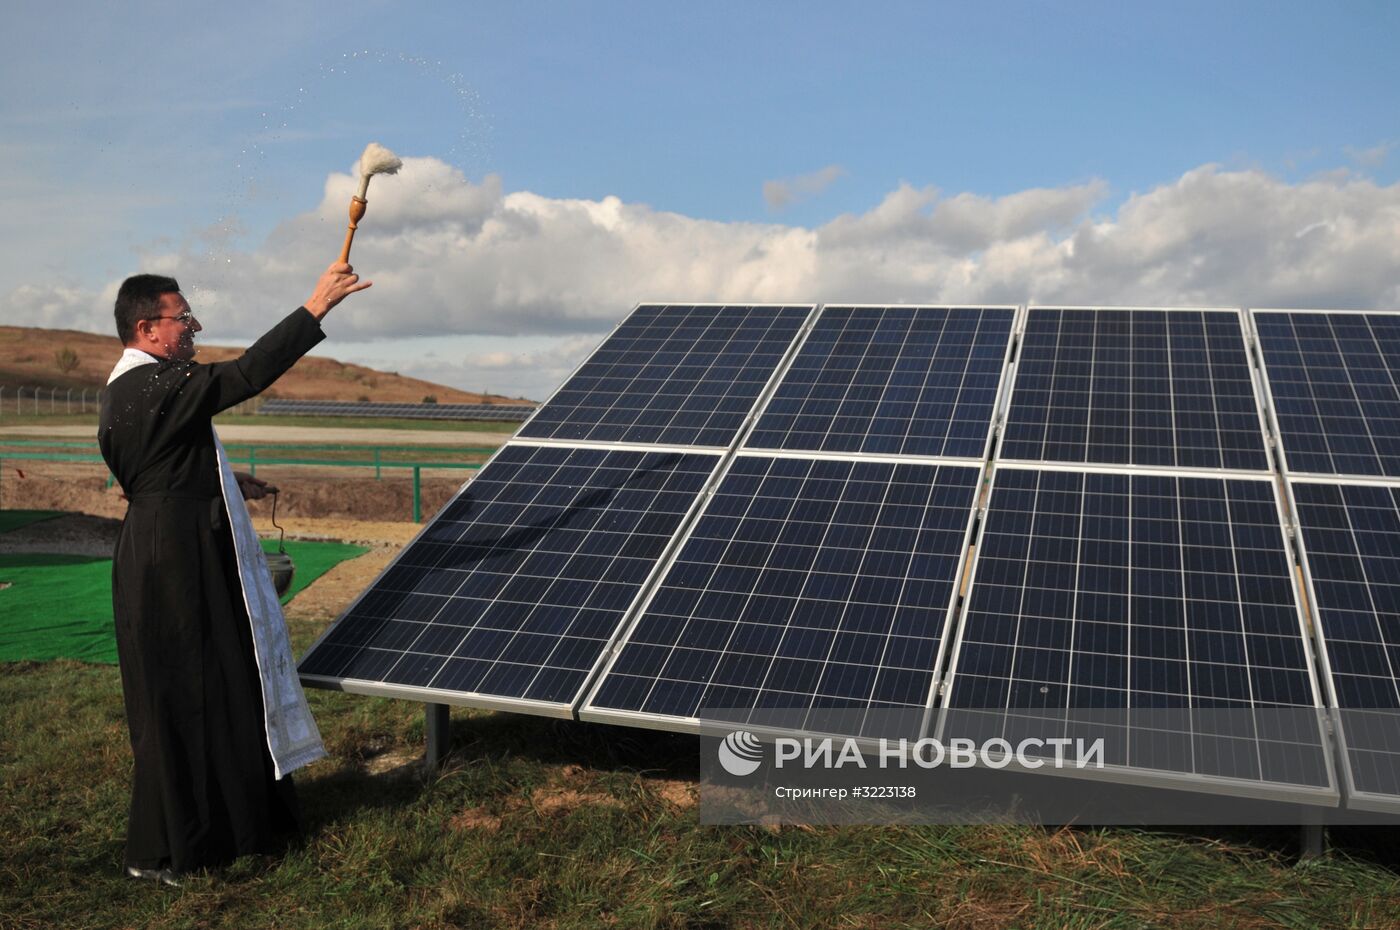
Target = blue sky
(568,160)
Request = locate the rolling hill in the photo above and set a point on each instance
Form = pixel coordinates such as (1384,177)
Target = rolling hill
(64,358)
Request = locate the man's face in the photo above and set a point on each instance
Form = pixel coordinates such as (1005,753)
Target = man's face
(172,334)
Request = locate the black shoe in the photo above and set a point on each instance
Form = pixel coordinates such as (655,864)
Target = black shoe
(164,876)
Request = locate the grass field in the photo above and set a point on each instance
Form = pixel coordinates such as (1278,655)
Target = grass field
(540,823)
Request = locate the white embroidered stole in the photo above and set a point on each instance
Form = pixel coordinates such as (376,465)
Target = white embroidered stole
(292,736)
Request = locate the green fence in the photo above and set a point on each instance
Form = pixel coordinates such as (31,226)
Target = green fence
(252,455)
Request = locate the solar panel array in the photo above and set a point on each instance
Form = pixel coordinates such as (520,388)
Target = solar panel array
(729,510)
(908,380)
(1350,533)
(511,594)
(824,579)
(1335,380)
(807,583)
(1147,580)
(1332,377)
(672,375)
(517,586)
(1119,594)
(1159,388)
(505,413)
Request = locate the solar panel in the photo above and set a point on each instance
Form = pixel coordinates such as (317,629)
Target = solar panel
(1159,388)
(509,597)
(1161,605)
(678,375)
(1351,544)
(806,584)
(1334,378)
(732,510)
(910,380)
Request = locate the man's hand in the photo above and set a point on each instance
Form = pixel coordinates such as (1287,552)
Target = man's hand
(254,489)
(338,282)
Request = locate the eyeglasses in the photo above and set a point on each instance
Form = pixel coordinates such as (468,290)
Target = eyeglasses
(187,317)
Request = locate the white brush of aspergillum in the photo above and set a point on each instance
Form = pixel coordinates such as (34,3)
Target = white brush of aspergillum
(375,159)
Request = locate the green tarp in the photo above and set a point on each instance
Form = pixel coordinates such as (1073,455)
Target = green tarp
(60,606)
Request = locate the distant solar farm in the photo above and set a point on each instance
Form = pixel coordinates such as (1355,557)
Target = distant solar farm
(506,413)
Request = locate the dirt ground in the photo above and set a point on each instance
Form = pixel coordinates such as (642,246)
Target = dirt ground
(327,596)
(345,494)
(321,504)
(342,505)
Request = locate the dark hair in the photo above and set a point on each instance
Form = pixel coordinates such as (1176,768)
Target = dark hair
(139,299)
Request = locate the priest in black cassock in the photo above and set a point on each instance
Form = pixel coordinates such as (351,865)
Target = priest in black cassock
(216,714)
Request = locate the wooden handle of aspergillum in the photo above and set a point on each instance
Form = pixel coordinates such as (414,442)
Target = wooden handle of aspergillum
(357,213)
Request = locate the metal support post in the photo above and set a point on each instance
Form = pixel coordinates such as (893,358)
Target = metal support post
(436,722)
(1312,841)
(1312,838)
(417,494)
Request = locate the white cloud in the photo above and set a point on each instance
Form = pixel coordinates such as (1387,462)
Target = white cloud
(1232,238)
(788,191)
(520,366)
(1372,157)
(535,275)
(564,353)
(58,306)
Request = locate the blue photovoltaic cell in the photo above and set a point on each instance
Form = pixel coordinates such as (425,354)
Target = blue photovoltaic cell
(1333,377)
(911,380)
(1134,387)
(805,584)
(675,375)
(519,583)
(1116,597)
(1352,537)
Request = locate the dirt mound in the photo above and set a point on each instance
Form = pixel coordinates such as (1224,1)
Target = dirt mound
(351,496)
(329,596)
(325,598)
(330,504)
(70,534)
(389,499)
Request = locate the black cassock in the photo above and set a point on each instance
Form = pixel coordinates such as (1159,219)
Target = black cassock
(203,789)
